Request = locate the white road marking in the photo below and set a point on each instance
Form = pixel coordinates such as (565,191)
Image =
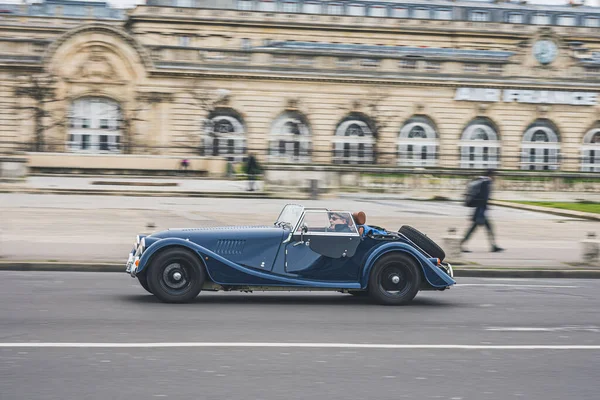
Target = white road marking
(298,345)
(594,329)
(517,286)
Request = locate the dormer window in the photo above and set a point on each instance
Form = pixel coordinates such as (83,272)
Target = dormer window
(312,7)
(592,22)
(244,5)
(540,19)
(378,11)
(515,18)
(356,10)
(400,12)
(567,20)
(421,13)
(290,6)
(335,9)
(443,14)
(480,16)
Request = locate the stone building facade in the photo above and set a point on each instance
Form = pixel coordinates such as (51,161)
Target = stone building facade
(398,83)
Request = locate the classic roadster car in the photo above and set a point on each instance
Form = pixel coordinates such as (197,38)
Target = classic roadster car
(305,249)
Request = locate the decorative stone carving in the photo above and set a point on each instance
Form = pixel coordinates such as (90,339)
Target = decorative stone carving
(97,67)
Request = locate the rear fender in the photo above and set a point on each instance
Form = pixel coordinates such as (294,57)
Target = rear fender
(432,273)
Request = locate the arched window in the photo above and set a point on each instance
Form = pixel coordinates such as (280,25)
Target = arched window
(479,145)
(225,135)
(94,125)
(290,139)
(354,140)
(590,151)
(417,142)
(541,146)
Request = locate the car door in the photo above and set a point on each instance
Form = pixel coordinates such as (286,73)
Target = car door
(319,251)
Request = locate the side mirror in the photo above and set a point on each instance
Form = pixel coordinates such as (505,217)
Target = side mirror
(304,228)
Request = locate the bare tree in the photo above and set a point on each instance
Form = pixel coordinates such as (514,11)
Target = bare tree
(40,89)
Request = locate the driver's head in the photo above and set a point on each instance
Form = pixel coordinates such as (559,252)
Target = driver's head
(337,219)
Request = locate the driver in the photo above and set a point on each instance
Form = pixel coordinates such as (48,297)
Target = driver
(339,222)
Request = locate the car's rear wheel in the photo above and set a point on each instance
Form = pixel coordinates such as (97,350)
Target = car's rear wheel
(424,242)
(143,279)
(395,279)
(175,275)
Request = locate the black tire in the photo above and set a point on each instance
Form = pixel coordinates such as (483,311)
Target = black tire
(144,281)
(421,240)
(383,287)
(175,275)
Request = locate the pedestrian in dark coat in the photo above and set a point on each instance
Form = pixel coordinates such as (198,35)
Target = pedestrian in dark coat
(252,169)
(479,216)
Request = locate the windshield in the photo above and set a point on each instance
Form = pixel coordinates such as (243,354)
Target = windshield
(290,215)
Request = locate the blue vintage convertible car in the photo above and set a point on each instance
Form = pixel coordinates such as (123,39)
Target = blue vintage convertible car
(305,249)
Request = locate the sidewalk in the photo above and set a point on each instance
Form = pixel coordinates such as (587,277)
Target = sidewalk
(93,232)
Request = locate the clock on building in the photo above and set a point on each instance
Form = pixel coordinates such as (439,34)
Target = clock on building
(545,51)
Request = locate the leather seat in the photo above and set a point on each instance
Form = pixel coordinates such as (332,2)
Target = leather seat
(360,217)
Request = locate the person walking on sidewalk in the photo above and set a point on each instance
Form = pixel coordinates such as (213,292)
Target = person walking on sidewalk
(478,196)
(252,169)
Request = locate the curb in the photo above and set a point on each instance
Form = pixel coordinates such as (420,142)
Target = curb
(458,272)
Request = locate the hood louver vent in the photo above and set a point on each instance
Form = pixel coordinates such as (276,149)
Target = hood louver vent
(222,228)
(229,247)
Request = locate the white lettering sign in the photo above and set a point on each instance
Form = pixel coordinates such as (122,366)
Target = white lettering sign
(527,96)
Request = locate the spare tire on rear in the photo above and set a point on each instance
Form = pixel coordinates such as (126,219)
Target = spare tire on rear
(421,240)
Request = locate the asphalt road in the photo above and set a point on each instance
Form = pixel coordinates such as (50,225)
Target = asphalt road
(60,332)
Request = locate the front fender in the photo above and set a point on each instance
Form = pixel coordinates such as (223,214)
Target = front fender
(161,244)
(433,274)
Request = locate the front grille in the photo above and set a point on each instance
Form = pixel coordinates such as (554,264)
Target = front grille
(229,247)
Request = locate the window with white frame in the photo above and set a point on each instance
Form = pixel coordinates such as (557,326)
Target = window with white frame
(354,141)
(345,62)
(540,147)
(540,19)
(479,16)
(479,145)
(184,3)
(312,7)
(590,151)
(495,68)
(417,143)
(515,18)
(472,67)
(443,14)
(400,12)
(357,10)
(94,125)
(432,66)
(567,20)
(225,135)
(421,13)
(267,5)
(245,5)
(369,62)
(408,64)
(592,22)
(378,11)
(245,44)
(184,41)
(335,9)
(290,6)
(290,139)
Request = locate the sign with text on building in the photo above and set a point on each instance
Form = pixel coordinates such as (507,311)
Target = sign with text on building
(527,96)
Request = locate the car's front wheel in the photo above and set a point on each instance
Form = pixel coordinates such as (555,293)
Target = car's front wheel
(175,275)
(143,279)
(395,279)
